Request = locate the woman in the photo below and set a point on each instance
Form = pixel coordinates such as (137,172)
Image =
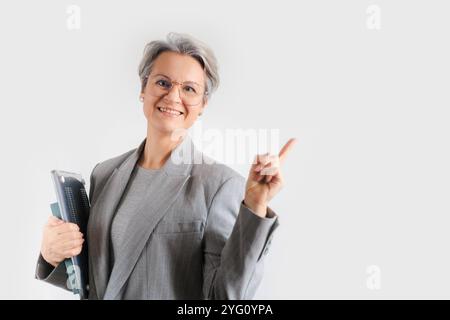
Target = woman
(160,228)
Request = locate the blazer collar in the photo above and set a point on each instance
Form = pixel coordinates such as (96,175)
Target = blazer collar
(107,284)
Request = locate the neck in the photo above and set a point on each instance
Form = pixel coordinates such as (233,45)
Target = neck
(157,149)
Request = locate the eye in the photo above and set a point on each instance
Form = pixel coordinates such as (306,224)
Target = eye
(189,89)
(163,83)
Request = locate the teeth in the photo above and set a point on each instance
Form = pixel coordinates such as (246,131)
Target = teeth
(171,111)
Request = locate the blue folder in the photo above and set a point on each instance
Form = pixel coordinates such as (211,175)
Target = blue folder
(73,206)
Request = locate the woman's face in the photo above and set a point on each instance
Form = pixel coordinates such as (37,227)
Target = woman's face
(182,69)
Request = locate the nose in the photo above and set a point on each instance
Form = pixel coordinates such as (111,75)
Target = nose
(173,95)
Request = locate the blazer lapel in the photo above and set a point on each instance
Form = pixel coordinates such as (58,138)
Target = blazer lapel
(101,216)
(165,191)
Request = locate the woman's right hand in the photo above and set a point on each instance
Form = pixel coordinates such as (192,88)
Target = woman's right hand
(60,240)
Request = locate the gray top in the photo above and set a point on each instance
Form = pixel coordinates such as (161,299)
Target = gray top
(133,199)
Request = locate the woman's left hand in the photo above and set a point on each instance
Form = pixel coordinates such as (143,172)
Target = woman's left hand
(265,179)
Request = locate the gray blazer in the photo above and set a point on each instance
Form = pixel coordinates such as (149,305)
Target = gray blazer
(195,239)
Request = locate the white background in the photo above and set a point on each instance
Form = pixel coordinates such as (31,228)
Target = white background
(367,184)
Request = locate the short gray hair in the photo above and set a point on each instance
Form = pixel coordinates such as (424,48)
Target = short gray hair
(184,44)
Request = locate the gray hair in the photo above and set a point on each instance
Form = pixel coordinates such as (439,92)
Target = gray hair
(184,44)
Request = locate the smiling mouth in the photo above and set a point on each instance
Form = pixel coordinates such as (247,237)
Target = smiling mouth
(169,111)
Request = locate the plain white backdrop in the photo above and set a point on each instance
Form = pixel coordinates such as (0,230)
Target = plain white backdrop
(363,85)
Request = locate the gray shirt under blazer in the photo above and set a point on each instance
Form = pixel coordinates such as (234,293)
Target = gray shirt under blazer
(192,238)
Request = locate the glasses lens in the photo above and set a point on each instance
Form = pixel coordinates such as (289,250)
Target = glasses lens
(191,93)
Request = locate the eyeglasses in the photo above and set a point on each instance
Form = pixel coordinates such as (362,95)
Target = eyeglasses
(191,93)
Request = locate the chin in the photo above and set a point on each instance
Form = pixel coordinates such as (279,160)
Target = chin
(166,129)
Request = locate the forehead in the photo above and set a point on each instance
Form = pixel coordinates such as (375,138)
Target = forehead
(178,67)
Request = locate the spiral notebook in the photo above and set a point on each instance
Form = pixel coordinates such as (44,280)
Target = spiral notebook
(73,206)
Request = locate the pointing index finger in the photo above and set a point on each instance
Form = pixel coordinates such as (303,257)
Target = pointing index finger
(286,148)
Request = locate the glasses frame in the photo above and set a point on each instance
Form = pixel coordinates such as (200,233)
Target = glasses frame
(205,93)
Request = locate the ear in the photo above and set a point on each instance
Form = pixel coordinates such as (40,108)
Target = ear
(205,104)
(142,92)
(202,108)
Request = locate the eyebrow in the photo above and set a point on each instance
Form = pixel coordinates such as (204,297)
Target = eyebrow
(160,74)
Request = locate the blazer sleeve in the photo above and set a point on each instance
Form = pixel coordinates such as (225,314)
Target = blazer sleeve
(57,275)
(236,240)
